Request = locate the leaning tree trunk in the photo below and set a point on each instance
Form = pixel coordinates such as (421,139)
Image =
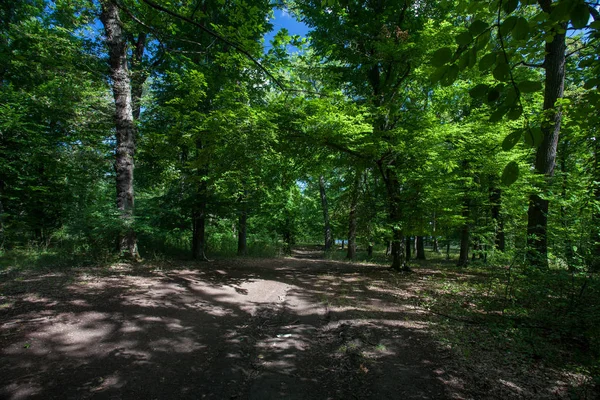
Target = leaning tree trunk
(352,220)
(420,248)
(327,224)
(125,126)
(537,215)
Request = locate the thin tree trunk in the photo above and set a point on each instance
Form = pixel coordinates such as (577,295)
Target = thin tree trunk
(435,247)
(537,215)
(420,248)
(242,248)
(352,223)
(199,233)
(463,258)
(125,126)
(496,202)
(370,250)
(447,249)
(327,225)
(408,248)
(139,74)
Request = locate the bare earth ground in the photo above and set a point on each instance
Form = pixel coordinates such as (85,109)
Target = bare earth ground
(290,328)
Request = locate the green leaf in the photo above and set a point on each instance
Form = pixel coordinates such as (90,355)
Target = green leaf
(591,83)
(441,57)
(510,5)
(473,57)
(595,25)
(493,95)
(464,60)
(482,41)
(502,72)
(498,114)
(580,15)
(515,113)
(510,173)
(508,25)
(521,30)
(464,39)
(533,136)
(479,90)
(529,86)
(450,75)
(477,27)
(487,61)
(561,10)
(437,75)
(511,140)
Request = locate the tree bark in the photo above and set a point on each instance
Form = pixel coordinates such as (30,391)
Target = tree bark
(408,248)
(394,206)
(463,258)
(327,224)
(496,202)
(242,248)
(537,215)
(420,248)
(199,232)
(125,126)
(352,219)
(435,247)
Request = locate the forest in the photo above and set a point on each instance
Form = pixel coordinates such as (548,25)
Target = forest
(421,174)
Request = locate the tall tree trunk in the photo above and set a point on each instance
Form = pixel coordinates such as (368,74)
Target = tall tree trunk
(420,248)
(352,219)
(408,248)
(463,258)
(447,249)
(327,226)
(537,215)
(125,126)
(496,202)
(394,204)
(199,232)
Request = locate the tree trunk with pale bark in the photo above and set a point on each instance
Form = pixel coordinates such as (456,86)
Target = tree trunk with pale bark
(125,127)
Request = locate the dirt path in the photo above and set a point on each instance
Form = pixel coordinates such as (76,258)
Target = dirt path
(294,328)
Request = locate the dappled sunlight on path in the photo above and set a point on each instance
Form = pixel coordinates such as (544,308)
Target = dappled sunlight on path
(293,328)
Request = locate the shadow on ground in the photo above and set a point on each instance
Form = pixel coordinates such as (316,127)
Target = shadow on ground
(292,328)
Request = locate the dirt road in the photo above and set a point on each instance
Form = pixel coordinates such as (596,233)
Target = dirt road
(291,328)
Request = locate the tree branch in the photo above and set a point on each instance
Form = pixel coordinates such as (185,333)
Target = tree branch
(236,46)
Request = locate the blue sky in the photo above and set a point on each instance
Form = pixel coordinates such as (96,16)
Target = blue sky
(283,19)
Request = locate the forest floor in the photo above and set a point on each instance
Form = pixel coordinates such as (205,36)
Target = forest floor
(300,327)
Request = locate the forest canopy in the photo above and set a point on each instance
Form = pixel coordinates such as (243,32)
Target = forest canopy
(137,128)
